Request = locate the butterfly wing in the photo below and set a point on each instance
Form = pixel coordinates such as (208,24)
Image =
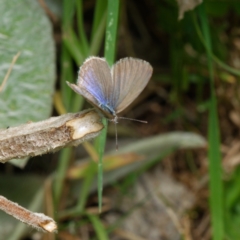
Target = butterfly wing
(94,82)
(130,77)
(83,92)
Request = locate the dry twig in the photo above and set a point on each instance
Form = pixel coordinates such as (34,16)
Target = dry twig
(32,139)
(36,220)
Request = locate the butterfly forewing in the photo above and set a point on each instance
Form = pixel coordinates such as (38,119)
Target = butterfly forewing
(84,93)
(95,79)
(130,76)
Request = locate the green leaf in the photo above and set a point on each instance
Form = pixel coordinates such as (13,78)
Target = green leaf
(27,95)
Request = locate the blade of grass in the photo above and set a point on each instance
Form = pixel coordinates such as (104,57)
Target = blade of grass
(77,103)
(73,45)
(61,173)
(100,146)
(177,68)
(111,31)
(66,75)
(66,62)
(233,191)
(58,103)
(100,9)
(110,43)
(86,186)
(98,36)
(98,227)
(81,32)
(217,60)
(214,155)
(70,39)
(68,12)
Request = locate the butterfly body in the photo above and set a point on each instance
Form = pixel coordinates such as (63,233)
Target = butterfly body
(111,90)
(107,108)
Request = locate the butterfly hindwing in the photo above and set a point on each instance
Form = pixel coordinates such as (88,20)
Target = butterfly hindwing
(130,77)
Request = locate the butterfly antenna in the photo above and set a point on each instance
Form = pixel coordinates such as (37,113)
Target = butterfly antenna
(135,120)
(116,136)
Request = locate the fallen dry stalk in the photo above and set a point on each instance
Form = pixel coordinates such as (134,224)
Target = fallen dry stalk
(36,220)
(32,139)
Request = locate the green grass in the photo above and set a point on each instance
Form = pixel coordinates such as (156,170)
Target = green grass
(214,154)
(109,54)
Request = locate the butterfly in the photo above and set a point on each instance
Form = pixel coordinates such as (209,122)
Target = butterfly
(112,89)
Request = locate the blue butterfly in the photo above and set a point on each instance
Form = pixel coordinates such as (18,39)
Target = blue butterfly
(112,89)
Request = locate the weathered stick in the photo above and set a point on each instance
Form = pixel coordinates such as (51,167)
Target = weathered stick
(36,220)
(32,139)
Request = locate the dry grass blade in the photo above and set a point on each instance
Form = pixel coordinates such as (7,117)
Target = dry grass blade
(9,71)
